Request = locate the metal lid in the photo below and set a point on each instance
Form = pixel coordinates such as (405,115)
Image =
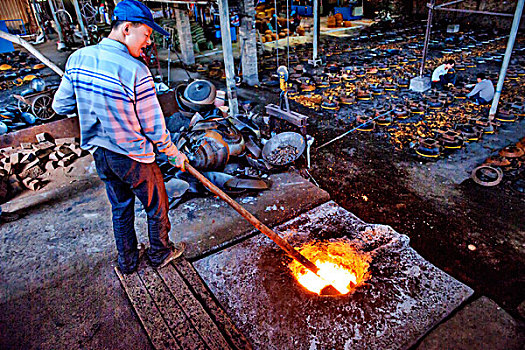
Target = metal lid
(200,92)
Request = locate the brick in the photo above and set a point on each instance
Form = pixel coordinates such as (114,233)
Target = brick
(43,145)
(67,160)
(64,140)
(54,156)
(63,151)
(44,136)
(44,153)
(28,158)
(7,150)
(31,170)
(33,184)
(51,165)
(77,150)
(15,158)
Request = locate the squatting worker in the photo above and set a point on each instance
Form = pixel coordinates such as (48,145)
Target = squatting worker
(121,123)
(483,92)
(444,75)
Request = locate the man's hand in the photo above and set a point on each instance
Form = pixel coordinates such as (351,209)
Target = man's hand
(179,161)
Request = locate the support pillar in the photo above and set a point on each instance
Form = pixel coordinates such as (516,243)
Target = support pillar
(248,42)
(506,58)
(227,53)
(80,19)
(57,23)
(315,59)
(184,33)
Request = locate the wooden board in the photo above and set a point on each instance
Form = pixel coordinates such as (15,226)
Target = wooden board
(178,311)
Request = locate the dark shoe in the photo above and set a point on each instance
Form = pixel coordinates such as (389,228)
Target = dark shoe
(142,250)
(176,251)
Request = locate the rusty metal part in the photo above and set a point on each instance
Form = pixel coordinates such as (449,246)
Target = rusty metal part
(207,150)
(511,152)
(487,176)
(497,161)
(283,148)
(292,117)
(283,244)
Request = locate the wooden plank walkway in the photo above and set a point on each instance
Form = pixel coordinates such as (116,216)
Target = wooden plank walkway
(178,311)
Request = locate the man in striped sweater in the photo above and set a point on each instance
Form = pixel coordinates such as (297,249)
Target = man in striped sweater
(121,124)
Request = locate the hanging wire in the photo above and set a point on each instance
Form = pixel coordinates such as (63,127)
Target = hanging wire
(276,32)
(288,36)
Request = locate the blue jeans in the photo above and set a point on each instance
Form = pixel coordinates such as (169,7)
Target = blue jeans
(480,100)
(126,178)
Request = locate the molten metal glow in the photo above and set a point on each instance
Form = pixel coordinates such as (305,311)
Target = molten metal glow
(340,265)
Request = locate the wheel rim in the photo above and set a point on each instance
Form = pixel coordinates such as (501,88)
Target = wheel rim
(42,108)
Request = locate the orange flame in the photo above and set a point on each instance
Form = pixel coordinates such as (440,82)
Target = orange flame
(340,265)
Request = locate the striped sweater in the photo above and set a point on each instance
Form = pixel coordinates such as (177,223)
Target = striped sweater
(114,95)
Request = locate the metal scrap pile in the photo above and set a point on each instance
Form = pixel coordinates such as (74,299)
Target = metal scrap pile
(369,75)
(230,151)
(21,78)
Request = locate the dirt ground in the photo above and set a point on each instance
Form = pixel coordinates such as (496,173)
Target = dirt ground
(364,175)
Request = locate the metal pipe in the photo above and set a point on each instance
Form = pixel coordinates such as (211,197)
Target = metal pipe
(55,18)
(476,12)
(448,4)
(32,50)
(427,37)
(80,19)
(227,50)
(282,243)
(180,2)
(316,30)
(506,58)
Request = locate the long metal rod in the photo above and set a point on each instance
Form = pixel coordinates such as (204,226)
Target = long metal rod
(288,36)
(80,19)
(351,130)
(253,220)
(448,4)
(506,58)
(427,37)
(227,50)
(180,2)
(57,23)
(316,30)
(476,12)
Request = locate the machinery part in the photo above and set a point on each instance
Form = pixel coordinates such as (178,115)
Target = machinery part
(280,141)
(487,176)
(511,152)
(41,107)
(199,95)
(208,150)
(294,118)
